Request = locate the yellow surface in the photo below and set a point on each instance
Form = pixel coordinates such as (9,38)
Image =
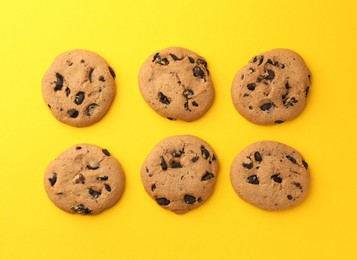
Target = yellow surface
(227,34)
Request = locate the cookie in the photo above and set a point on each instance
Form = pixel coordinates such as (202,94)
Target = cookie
(270,175)
(272,87)
(79,87)
(180,173)
(84,179)
(176,83)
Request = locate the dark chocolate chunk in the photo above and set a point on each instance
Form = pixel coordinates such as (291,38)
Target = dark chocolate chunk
(95,194)
(199,200)
(101,78)
(82,61)
(198,72)
(81,209)
(175,164)
(68,91)
(58,82)
(90,109)
(53,180)
(106,152)
(104,178)
(195,159)
(290,102)
(292,159)
(192,60)
(202,61)
(207,176)
(270,61)
(305,164)
(289,197)
(156,56)
(107,187)
(153,187)
(81,179)
(251,86)
(93,165)
(297,184)
(171,118)
(78,147)
(307,91)
(258,156)
(188,93)
(178,153)
(73,113)
(163,163)
(247,165)
(287,86)
(205,153)
(276,178)
(90,74)
(278,121)
(194,103)
(189,199)
(261,60)
(271,75)
(186,106)
(163,99)
(111,72)
(163,61)
(213,158)
(266,106)
(162,201)
(254,59)
(79,98)
(246,95)
(174,57)
(253,179)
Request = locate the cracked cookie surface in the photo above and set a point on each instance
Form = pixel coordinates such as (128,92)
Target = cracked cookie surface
(79,87)
(272,87)
(270,175)
(84,179)
(176,83)
(180,173)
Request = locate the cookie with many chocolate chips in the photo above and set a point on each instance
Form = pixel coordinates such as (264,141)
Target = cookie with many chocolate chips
(84,179)
(272,87)
(270,175)
(180,173)
(176,83)
(79,87)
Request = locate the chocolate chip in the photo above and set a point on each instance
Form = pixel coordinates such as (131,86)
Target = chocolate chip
(78,147)
(289,197)
(163,61)
(287,86)
(171,118)
(254,59)
(290,102)
(59,82)
(175,164)
(250,107)
(81,179)
(163,99)
(198,72)
(202,61)
(81,209)
(111,72)
(73,113)
(307,91)
(278,121)
(49,106)
(194,103)
(199,200)
(79,98)
(258,156)
(82,61)
(205,153)
(207,176)
(104,178)
(156,56)
(246,95)
(53,180)
(276,178)
(68,91)
(189,199)
(90,75)
(101,78)
(213,158)
(174,57)
(297,184)
(162,201)
(195,159)
(266,106)
(186,106)
(192,60)
(261,60)
(305,164)
(93,165)
(90,109)
(188,93)
(292,159)
(253,179)
(94,194)
(271,75)
(153,187)
(107,187)
(176,153)
(270,61)
(106,152)
(247,165)
(251,86)
(163,163)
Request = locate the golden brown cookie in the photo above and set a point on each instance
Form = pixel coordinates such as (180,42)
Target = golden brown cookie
(79,87)
(272,87)
(270,175)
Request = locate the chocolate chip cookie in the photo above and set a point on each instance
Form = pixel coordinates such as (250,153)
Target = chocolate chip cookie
(84,179)
(79,87)
(272,87)
(176,83)
(180,173)
(270,175)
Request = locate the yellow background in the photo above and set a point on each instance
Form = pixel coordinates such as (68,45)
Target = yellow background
(227,34)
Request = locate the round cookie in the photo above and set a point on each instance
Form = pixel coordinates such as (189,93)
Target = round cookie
(180,173)
(272,87)
(175,82)
(79,87)
(84,179)
(270,175)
